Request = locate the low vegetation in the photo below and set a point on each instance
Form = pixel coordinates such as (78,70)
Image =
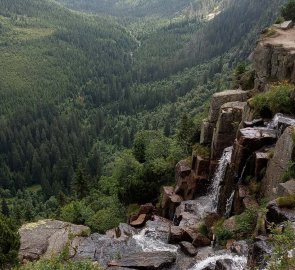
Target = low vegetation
(277,99)
(9,242)
(286,201)
(283,243)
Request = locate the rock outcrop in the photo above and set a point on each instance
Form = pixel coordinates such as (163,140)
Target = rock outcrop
(217,101)
(48,237)
(274,57)
(278,165)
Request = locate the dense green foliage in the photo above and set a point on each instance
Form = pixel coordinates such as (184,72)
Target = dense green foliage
(277,99)
(288,11)
(9,242)
(78,90)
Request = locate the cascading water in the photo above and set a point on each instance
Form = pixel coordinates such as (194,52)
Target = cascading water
(148,241)
(280,118)
(238,262)
(219,176)
(229,204)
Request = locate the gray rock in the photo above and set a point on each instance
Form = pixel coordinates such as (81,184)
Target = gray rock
(48,237)
(287,188)
(225,264)
(207,129)
(278,165)
(221,98)
(103,248)
(188,248)
(277,214)
(259,251)
(286,25)
(146,260)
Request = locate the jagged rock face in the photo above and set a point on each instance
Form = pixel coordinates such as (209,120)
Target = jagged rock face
(230,116)
(274,57)
(248,141)
(278,165)
(186,180)
(48,237)
(217,101)
(169,202)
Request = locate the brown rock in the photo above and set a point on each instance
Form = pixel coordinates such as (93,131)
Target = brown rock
(207,129)
(188,249)
(147,208)
(230,116)
(261,160)
(178,234)
(211,219)
(201,241)
(140,221)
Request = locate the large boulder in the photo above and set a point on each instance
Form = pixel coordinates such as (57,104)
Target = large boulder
(48,237)
(278,165)
(146,260)
(278,214)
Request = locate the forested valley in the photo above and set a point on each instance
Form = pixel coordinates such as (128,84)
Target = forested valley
(98,101)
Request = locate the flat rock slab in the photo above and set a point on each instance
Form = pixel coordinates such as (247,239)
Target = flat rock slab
(146,260)
(47,237)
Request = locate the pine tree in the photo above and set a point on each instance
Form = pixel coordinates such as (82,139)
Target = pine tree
(80,186)
(4,208)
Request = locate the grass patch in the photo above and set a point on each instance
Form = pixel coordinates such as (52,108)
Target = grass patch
(277,99)
(287,201)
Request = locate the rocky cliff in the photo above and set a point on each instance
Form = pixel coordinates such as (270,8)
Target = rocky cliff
(243,160)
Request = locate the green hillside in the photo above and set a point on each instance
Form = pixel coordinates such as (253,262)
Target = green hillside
(78,89)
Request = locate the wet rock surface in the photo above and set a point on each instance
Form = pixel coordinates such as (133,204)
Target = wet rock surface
(147,260)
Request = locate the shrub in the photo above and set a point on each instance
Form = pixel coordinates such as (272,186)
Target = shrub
(222,233)
(282,243)
(9,242)
(201,150)
(290,173)
(288,11)
(287,201)
(58,264)
(277,99)
(203,229)
(246,222)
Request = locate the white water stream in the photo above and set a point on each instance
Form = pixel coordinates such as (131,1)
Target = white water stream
(218,177)
(238,262)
